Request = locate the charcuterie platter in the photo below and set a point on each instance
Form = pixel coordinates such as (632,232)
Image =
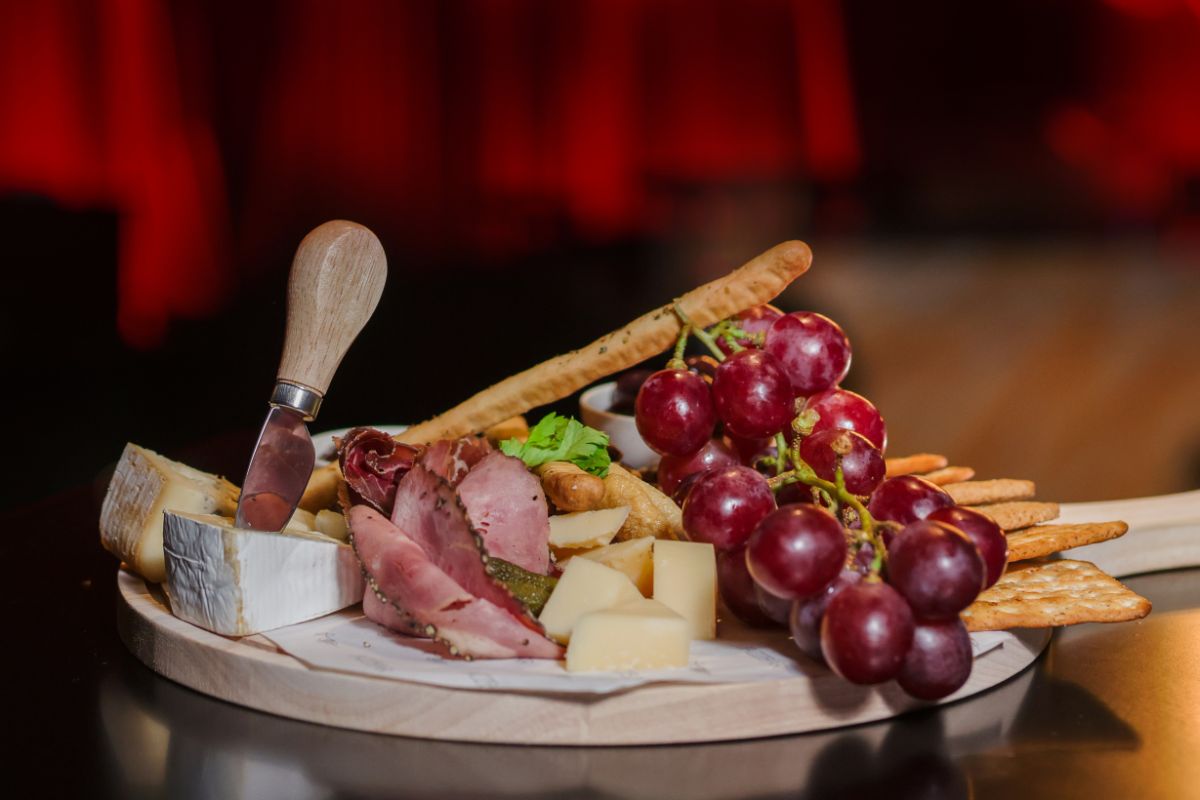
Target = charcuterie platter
(758,568)
(253,672)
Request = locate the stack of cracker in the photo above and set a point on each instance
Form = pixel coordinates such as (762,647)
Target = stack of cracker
(1036,591)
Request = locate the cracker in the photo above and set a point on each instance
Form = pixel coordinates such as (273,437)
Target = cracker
(974,493)
(1042,540)
(911,465)
(1044,594)
(949,475)
(755,283)
(1019,514)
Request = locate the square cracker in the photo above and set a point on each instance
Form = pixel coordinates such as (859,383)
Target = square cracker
(1019,514)
(1042,540)
(1044,594)
(973,493)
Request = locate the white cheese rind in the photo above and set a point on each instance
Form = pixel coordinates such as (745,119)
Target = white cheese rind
(145,485)
(585,586)
(644,634)
(237,582)
(685,580)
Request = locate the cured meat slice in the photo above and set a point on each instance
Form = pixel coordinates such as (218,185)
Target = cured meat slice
(506,505)
(389,616)
(430,512)
(373,463)
(398,569)
(451,459)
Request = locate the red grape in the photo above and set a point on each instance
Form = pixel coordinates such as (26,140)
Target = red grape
(674,412)
(862,463)
(724,505)
(738,589)
(775,608)
(939,660)
(673,469)
(866,632)
(752,320)
(936,568)
(794,493)
(748,449)
(840,408)
(752,394)
(984,532)
(812,349)
(685,488)
(907,498)
(796,551)
(806,614)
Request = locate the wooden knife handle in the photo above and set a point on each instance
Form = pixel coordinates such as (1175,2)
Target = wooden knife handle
(337,278)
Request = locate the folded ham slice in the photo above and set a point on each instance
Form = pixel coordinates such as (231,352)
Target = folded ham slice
(452,459)
(398,569)
(506,505)
(389,616)
(430,512)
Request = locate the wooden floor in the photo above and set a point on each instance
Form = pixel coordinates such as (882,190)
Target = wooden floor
(1076,365)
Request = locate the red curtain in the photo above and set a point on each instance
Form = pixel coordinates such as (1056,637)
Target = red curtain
(498,125)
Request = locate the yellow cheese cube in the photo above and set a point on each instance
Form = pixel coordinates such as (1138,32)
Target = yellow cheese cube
(585,586)
(643,634)
(634,558)
(685,580)
(587,528)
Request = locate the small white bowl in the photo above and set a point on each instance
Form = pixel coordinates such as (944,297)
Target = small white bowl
(621,429)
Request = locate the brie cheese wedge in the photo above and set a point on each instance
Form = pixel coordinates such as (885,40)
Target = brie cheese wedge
(145,485)
(236,582)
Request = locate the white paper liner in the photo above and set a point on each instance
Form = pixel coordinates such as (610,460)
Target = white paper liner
(349,642)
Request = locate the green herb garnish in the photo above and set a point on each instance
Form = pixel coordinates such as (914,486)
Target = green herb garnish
(557,438)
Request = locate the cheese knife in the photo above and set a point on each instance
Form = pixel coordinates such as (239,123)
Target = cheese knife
(336,280)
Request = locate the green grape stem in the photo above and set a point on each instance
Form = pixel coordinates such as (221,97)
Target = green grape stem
(699,333)
(677,361)
(781,452)
(801,472)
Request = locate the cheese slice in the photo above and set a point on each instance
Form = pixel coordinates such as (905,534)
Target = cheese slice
(685,580)
(584,586)
(587,528)
(634,558)
(644,634)
(145,485)
(236,582)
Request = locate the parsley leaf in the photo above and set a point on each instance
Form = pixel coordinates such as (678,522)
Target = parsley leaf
(557,438)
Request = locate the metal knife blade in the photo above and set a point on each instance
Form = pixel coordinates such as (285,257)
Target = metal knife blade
(279,470)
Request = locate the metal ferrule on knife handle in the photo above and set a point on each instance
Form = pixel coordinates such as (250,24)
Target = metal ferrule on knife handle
(301,399)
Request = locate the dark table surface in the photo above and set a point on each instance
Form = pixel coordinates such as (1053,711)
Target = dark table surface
(1107,711)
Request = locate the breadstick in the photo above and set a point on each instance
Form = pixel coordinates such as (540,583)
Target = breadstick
(756,282)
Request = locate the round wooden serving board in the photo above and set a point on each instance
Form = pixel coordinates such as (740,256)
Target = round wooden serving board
(253,672)
(1165,533)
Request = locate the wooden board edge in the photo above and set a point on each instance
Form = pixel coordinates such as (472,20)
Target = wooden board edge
(274,682)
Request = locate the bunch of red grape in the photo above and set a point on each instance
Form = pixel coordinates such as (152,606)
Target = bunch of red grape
(783,472)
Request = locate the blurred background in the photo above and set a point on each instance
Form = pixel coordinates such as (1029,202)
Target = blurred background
(1003,200)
